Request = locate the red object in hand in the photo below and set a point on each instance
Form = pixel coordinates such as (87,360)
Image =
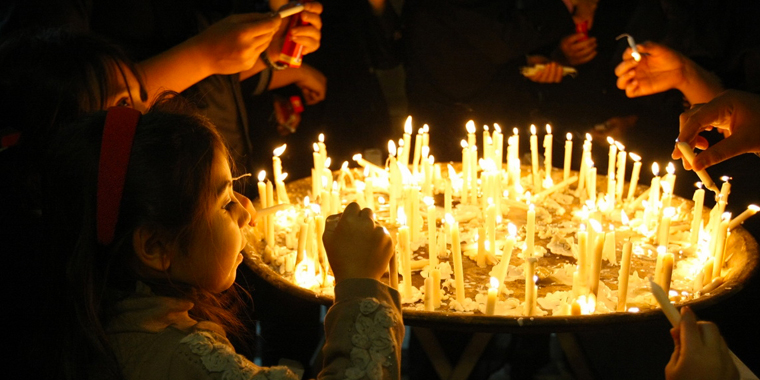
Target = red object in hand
(582,27)
(292,53)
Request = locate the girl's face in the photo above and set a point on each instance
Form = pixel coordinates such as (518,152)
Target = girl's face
(125,90)
(213,253)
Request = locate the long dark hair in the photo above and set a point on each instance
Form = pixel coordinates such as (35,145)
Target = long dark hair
(167,182)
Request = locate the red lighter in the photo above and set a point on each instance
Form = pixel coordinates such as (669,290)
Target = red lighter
(582,27)
(291,53)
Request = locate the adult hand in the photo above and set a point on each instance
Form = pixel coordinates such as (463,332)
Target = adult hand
(660,69)
(309,35)
(551,73)
(234,43)
(313,84)
(736,114)
(700,351)
(356,246)
(577,49)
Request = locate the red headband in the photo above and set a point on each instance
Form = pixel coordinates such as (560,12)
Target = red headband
(118,133)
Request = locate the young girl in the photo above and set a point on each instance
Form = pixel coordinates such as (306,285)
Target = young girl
(151,229)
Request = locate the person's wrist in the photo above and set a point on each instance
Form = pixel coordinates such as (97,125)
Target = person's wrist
(272,64)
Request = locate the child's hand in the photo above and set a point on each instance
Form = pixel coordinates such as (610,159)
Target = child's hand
(356,246)
(735,114)
(700,351)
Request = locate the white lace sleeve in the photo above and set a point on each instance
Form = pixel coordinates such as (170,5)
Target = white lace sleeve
(219,358)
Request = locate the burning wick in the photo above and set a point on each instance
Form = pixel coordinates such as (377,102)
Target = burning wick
(632,43)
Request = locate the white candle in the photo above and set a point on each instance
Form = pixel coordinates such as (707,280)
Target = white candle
(568,156)
(696,218)
(506,256)
(431,220)
(720,246)
(664,227)
(491,300)
(623,274)
(671,176)
(585,157)
(270,218)
(530,231)
(417,152)
(498,139)
(611,166)
(661,251)
(634,175)
(487,144)
(689,156)
(534,158)
(735,222)
(654,189)
(464,194)
(548,142)
(404,160)
(471,139)
(320,222)
(596,260)
(429,297)
(405,250)
(591,179)
(368,165)
(662,298)
(262,187)
(583,257)
(620,176)
(456,252)
(530,286)
(609,246)
(436,273)
(447,197)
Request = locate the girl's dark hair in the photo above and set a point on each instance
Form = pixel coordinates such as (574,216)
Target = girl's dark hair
(167,185)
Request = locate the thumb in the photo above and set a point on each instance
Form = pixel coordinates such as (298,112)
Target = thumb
(690,336)
(723,150)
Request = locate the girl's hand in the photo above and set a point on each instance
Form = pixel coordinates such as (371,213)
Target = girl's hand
(356,246)
(736,114)
(700,351)
(660,69)
(234,43)
(313,84)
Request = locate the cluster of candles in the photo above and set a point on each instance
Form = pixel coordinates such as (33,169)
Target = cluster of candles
(485,187)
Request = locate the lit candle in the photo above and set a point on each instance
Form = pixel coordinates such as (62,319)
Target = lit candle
(585,157)
(654,189)
(490,229)
(530,231)
(498,139)
(530,286)
(417,152)
(548,142)
(671,176)
(322,147)
(491,301)
(316,172)
(620,176)
(456,252)
(277,170)
(447,197)
(534,158)
(667,271)
(609,246)
(471,139)
(366,164)
(583,257)
(487,143)
(735,222)
(632,44)
(634,175)
(425,138)
(395,181)
(464,194)
(404,160)
(405,250)
(568,156)
(696,218)
(270,218)
(262,187)
(611,167)
(591,179)
(689,156)
(625,268)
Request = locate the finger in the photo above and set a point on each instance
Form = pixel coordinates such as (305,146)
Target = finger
(675,333)
(352,209)
(723,150)
(625,66)
(690,334)
(367,213)
(710,333)
(313,7)
(313,19)
(701,143)
(703,115)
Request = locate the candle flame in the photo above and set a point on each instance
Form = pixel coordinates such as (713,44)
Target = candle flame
(283,176)
(401,216)
(408,125)
(624,218)
(305,275)
(357,157)
(401,143)
(463,143)
(655,169)
(328,161)
(588,137)
(425,151)
(494,282)
(515,131)
(420,131)
(485,128)
(512,229)
(496,127)
(548,129)
(725,178)
(610,140)
(450,219)
(533,129)
(262,175)
(470,125)
(425,128)
(726,216)
(754,208)
(595,225)
(620,146)
(698,184)
(634,157)
(661,250)
(306,201)
(316,147)
(391,148)
(321,137)
(429,201)
(344,166)
(431,159)
(381,200)
(535,279)
(669,212)
(670,168)
(569,136)
(277,152)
